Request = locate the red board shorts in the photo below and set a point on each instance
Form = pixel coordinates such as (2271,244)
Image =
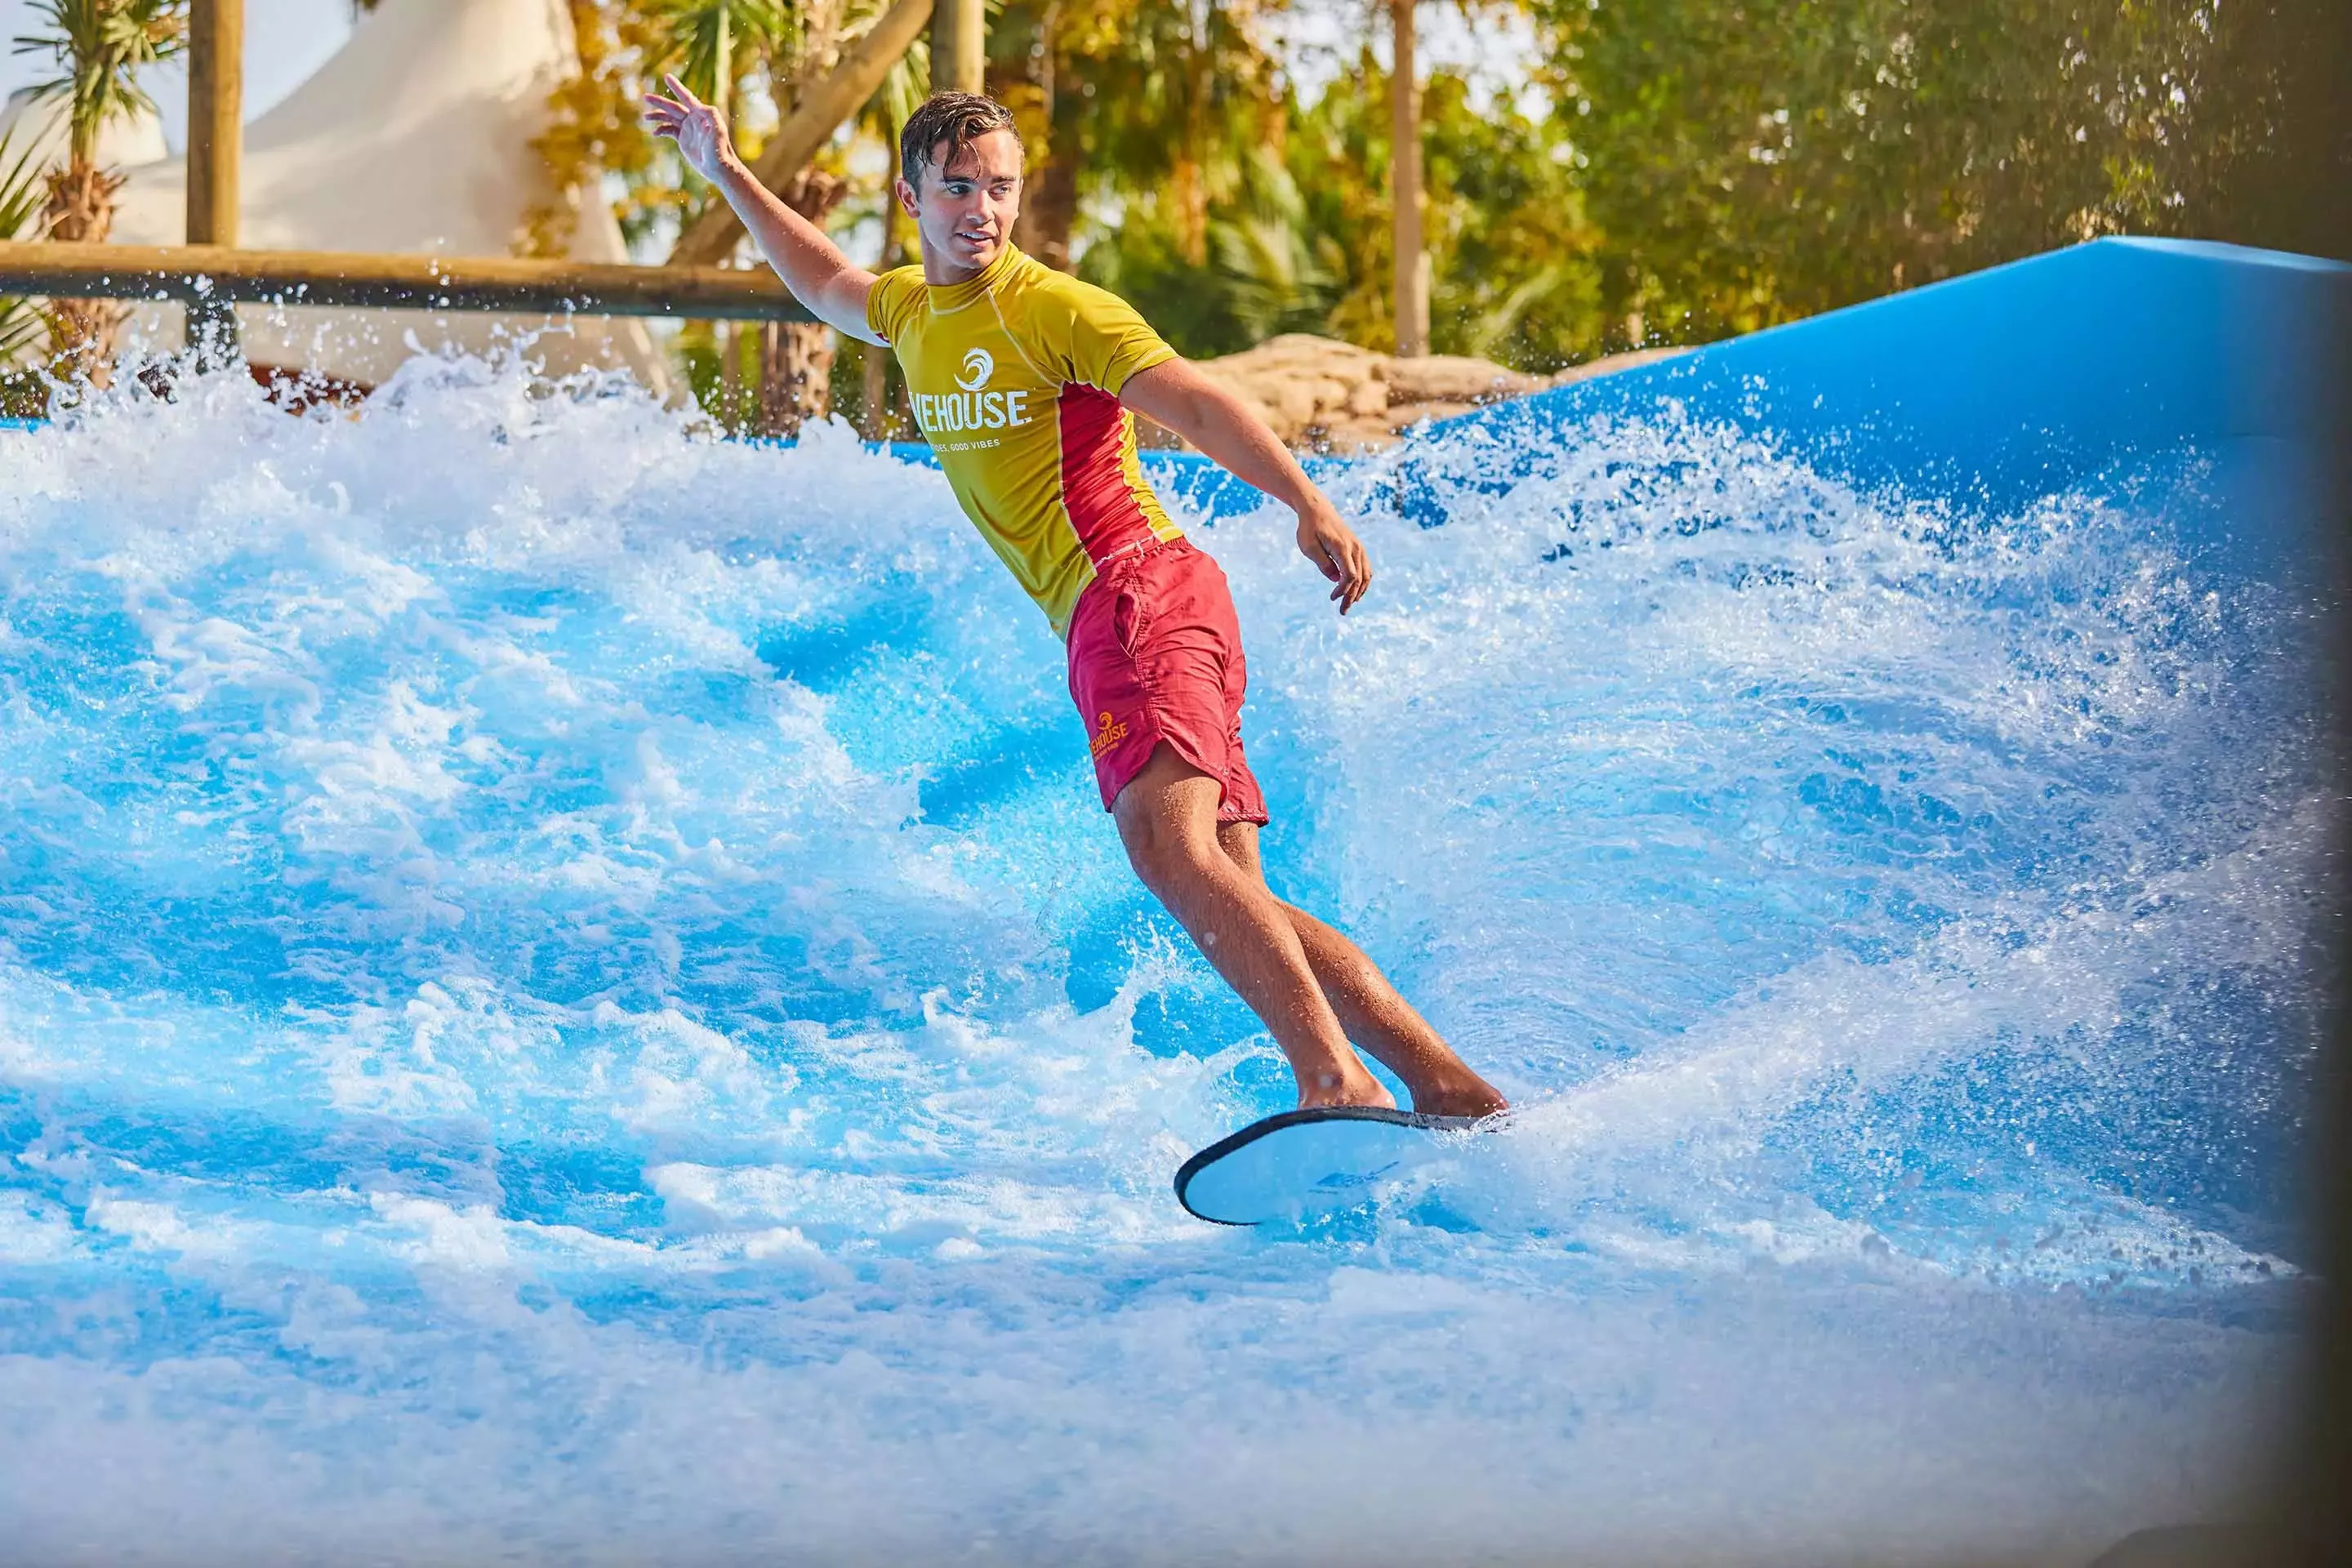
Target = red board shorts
(1156,655)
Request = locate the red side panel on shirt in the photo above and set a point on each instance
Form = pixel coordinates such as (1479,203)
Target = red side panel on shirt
(1102,509)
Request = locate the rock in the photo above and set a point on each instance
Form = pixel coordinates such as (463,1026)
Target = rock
(1305,349)
(1369,399)
(1292,402)
(1358,433)
(1455,378)
(1322,394)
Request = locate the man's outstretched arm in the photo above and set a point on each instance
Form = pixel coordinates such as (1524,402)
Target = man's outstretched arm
(1176,394)
(832,286)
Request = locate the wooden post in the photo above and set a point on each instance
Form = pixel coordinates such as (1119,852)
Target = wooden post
(1404,189)
(215,141)
(959,46)
(729,343)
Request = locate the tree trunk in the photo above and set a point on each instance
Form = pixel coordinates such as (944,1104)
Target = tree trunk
(796,357)
(819,53)
(959,46)
(82,332)
(1049,204)
(795,375)
(1049,209)
(1190,179)
(1411,262)
(728,338)
(874,375)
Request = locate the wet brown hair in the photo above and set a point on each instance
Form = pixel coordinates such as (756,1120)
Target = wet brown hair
(956,120)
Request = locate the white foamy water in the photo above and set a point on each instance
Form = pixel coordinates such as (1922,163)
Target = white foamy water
(565,996)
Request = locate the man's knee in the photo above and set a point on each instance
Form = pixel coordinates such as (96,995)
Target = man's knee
(1163,854)
(1167,818)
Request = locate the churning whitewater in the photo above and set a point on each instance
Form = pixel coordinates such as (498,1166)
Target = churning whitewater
(566,995)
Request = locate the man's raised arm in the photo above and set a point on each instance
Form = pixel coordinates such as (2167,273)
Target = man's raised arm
(832,286)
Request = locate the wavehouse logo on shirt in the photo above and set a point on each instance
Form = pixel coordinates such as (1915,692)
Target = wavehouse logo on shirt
(978,366)
(943,412)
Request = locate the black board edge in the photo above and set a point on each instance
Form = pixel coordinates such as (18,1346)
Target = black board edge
(1234,1142)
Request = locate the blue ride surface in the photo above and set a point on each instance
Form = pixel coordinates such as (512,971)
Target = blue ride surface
(564,994)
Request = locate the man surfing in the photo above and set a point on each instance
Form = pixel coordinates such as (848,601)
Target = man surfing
(1024,378)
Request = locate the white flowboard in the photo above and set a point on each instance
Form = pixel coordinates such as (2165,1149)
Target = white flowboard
(1302,1163)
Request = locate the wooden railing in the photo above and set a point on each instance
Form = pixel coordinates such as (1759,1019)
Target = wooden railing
(209,276)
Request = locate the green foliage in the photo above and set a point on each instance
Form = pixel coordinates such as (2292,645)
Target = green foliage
(1513,270)
(1748,163)
(1517,277)
(1228,209)
(1297,237)
(709,43)
(1172,118)
(1678,170)
(21,190)
(99,46)
(1179,100)
(596,141)
(1266,267)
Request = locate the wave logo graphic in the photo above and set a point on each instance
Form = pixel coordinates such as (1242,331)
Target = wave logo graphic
(978,366)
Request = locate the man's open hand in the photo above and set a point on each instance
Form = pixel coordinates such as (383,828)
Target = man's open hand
(700,130)
(1334,548)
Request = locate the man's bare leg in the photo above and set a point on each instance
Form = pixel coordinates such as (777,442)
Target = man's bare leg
(1373,1011)
(1167,818)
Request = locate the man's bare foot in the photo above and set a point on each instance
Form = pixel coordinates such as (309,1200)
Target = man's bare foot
(1472,1097)
(1333,1089)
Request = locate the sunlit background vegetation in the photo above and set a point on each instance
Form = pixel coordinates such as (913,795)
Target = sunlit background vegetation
(1602,176)
(1624,172)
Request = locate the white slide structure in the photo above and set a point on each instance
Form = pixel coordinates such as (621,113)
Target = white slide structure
(414,137)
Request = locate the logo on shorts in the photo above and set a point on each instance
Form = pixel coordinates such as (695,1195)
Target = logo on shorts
(978,366)
(1109,732)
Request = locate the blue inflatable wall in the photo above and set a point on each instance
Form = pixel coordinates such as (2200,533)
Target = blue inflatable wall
(2007,384)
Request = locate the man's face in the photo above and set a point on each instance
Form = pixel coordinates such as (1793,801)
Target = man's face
(965,210)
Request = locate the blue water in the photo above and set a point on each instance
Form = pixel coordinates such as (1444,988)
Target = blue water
(565,996)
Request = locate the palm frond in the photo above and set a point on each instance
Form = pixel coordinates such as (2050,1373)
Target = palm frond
(99,46)
(21,193)
(1490,331)
(909,81)
(703,38)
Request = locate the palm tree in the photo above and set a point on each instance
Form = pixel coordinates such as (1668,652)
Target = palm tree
(21,192)
(99,48)
(712,42)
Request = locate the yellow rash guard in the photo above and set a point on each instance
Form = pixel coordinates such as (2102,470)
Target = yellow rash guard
(1014,376)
